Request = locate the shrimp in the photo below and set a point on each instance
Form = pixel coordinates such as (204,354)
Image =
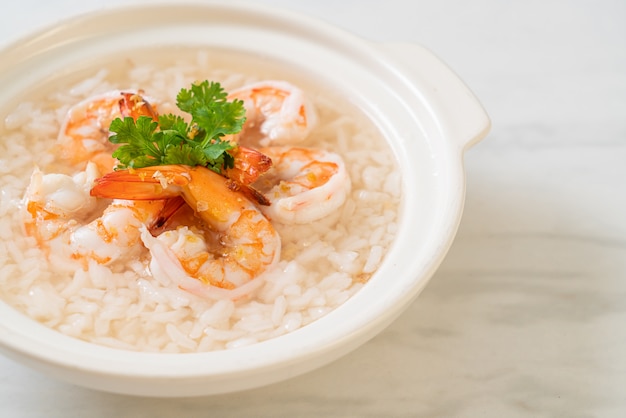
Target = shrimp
(63,217)
(54,203)
(116,234)
(304,184)
(248,165)
(241,245)
(84,133)
(276,112)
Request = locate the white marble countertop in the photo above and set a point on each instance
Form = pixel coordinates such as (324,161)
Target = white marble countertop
(527,315)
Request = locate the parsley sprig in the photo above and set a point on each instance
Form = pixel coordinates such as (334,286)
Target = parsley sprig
(172,140)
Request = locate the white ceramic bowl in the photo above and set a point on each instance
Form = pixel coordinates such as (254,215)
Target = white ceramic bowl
(428,116)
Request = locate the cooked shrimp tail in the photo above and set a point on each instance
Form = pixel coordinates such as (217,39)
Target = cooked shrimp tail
(249,164)
(170,208)
(135,105)
(138,184)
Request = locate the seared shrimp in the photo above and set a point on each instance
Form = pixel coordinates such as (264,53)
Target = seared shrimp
(277,112)
(244,243)
(85,131)
(304,184)
(59,214)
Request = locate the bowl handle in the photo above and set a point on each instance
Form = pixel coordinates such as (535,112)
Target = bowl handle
(461,114)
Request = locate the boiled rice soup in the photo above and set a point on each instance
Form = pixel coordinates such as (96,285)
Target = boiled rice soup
(179,256)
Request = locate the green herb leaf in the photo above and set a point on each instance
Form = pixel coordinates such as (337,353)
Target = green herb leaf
(138,149)
(172,140)
(210,111)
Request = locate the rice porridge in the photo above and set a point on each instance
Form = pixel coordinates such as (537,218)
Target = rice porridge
(321,265)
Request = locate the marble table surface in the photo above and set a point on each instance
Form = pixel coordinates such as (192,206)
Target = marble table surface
(527,315)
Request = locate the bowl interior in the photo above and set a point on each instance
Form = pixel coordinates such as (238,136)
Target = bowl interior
(432,187)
